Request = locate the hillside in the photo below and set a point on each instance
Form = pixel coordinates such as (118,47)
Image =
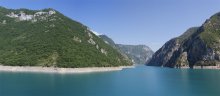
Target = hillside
(48,38)
(139,54)
(198,46)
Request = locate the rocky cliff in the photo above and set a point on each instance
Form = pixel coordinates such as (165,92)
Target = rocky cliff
(198,46)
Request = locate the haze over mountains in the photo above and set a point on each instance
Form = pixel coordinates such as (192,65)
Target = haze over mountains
(198,46)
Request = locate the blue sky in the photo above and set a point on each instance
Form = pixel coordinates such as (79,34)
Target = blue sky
(150,22)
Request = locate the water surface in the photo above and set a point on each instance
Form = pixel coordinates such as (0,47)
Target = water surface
(139,81)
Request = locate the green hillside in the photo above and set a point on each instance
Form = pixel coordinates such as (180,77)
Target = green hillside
(48,38)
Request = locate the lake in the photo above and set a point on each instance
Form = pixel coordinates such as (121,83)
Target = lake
(139,81)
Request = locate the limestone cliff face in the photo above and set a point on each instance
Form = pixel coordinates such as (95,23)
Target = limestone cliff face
(198,46)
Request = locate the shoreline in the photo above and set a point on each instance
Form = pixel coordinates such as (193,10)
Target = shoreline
(39,69)
(204,67)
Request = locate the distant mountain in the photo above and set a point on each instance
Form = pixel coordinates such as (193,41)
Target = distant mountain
(198,46)
(48,38)
(139,54)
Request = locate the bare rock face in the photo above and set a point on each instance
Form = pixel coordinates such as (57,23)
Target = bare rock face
(163,56)
(186,51)
(182,60)
(40,15)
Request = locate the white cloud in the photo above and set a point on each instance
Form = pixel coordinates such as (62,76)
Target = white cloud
(96,33)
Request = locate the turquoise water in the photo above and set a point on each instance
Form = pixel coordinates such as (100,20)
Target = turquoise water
(140,81)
